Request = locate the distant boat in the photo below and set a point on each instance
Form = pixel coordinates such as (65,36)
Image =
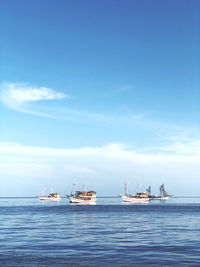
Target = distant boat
(139,197)
(82,197)
(51,196)
(162,196)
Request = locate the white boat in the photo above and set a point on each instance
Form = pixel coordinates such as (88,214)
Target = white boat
(82,197)
(51,196)
(140,197)
(135,198)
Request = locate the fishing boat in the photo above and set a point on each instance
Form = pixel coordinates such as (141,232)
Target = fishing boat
(51,196)
(162,196)
(139,197)
(82,197)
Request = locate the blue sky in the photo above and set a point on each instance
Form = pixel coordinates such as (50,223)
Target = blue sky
(97,90)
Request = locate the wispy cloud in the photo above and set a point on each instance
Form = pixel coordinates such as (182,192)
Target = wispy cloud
(175,146)
(183,148)
(16,95)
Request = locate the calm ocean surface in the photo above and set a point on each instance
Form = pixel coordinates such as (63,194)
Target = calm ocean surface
(35,233)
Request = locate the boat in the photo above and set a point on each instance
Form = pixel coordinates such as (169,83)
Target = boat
(162,196)
(82,197)
(139,197)
(51,196)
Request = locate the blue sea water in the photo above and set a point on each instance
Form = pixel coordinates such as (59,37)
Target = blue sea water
(35,233)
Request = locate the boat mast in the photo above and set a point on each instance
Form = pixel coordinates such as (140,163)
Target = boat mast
(126,189)
(138,188)
(43,191)
(148,190)
(163,192)
(74,184)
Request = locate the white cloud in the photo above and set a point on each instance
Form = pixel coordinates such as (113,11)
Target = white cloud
(15,95)
(105,167)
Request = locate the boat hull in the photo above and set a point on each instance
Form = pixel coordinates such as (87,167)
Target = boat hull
(134,199)
(77,200)
(50,198)
(159,198)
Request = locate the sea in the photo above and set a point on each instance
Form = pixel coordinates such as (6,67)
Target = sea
(110,233)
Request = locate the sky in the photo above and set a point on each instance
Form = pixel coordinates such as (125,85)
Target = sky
(97,92)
